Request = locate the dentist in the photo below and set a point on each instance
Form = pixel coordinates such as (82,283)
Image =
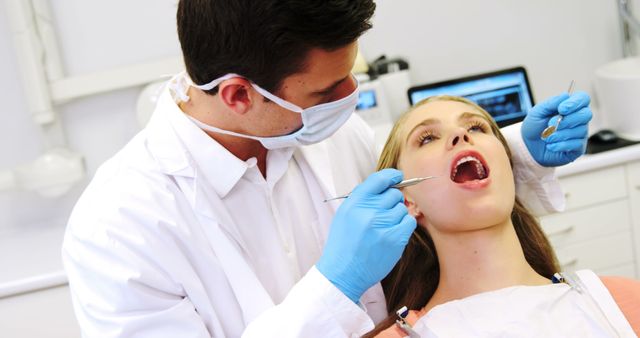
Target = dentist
(211,221)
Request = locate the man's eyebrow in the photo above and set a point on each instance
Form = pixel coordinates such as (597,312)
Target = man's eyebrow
(332,86)
(425,122)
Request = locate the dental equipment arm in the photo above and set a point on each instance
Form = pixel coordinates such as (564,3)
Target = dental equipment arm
(630,25)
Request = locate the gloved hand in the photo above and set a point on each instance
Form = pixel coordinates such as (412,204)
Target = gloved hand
(367,236)
(570,139)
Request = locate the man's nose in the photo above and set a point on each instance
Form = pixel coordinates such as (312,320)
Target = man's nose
(460,136)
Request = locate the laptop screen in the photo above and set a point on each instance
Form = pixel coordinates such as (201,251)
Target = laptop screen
(505,94)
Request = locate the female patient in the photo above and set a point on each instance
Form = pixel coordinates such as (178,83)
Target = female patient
(479,265)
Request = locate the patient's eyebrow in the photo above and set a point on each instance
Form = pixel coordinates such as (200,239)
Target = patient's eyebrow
(469,116)
(432,121)
(425,122)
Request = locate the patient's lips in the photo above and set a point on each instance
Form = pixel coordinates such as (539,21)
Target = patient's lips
(469,166)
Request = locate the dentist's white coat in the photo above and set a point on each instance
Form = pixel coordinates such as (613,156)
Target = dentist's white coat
(150,249)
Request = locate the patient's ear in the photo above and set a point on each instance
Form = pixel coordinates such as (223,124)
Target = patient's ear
(412,206)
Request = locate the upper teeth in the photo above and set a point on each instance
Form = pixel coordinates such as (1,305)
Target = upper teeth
(479,166)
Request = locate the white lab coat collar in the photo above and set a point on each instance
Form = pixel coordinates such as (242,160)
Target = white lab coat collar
(196,147)
(162,141)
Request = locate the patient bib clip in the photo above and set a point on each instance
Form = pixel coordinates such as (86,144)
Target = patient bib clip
(403,324)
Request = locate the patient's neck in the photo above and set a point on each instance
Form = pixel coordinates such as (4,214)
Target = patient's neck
(479,261)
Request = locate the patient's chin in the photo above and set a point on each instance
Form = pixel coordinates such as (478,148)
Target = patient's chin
(468,218)
(489,213)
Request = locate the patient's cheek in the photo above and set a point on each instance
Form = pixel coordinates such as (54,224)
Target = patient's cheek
(434,198)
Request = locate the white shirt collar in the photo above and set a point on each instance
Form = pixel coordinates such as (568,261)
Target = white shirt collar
(221,169)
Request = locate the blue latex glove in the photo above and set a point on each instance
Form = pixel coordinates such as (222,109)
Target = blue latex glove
(570,139)
(367,236)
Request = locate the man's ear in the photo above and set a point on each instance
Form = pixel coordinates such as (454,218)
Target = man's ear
(234,93)
(412,206)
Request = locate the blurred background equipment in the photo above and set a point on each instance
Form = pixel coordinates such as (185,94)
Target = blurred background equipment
(58,168)
(629,27)
(505,94)
(393,75)
(618,90)
(383,85)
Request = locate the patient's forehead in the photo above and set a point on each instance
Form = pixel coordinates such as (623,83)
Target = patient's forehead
(444,110)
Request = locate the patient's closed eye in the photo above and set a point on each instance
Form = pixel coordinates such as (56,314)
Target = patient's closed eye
(477,126)
(427,137)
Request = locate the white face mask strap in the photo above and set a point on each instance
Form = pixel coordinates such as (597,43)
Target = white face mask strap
(282,103)
(213,83)
(218,130)
(288,105)
(178,87)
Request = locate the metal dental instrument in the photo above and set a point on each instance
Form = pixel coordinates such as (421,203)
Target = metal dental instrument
(403,324)
(405,183)
(552,129)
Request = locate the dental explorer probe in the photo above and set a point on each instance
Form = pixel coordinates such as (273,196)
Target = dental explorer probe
(405,183)
(552,129)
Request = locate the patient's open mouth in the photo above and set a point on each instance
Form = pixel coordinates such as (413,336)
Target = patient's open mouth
(468,166)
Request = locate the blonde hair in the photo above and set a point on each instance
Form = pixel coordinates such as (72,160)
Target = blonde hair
(415,277)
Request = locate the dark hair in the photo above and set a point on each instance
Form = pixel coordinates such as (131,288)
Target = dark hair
(415,277)
(264,40)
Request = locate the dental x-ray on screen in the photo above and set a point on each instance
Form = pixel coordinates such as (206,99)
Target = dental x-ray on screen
(505,94)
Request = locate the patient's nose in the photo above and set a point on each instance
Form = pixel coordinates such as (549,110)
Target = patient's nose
(460,136)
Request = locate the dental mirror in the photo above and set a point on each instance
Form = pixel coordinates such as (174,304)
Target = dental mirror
(552,129)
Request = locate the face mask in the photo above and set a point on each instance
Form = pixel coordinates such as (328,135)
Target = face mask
(318,122)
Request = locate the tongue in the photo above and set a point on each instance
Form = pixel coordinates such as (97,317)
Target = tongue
(466,172)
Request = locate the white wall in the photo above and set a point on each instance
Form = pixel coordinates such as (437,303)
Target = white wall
(93,36)
(557,40)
